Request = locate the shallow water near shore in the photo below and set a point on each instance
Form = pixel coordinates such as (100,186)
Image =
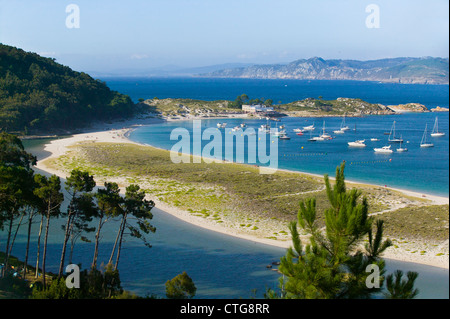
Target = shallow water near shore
(418,169)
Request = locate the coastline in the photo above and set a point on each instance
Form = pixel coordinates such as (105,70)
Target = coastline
(118,133)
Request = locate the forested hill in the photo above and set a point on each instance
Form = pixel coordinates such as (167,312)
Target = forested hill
(39,95)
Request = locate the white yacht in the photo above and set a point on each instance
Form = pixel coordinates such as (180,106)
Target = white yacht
(374,139)
(264,128)
(221,125)
(392,138)
(343,126)
(384,149)
(358,143)
(435,132)
(423,142)
(309,128)
(325,135)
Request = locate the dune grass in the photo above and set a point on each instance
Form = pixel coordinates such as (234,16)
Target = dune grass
(222,192)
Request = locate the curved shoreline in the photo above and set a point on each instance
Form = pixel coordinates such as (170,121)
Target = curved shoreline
(111,133)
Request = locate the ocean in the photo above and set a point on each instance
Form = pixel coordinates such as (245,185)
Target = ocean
(419,169)
(226,267)
(280,91)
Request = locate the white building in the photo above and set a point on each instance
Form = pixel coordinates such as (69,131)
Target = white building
(256,108)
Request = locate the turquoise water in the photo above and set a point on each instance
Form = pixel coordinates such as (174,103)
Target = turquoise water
(420,169)
(221,266)
(227,267)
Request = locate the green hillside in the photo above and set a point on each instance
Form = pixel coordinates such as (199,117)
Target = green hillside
(39,95)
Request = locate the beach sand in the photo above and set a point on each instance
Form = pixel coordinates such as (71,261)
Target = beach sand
(437,255)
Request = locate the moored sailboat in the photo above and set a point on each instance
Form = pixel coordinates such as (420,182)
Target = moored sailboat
(424,142)
(435,132)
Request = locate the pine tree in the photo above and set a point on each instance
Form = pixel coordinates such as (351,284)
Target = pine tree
(334,264)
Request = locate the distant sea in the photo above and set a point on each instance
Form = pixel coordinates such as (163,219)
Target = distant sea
(421,170)
(280,91)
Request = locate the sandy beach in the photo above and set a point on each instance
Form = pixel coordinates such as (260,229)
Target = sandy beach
(117,133)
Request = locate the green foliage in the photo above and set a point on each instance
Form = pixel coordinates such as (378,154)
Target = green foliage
(94,284)
(15,286)
(36,93)
(332,265)
(180,287)
(244,99)
(401,289)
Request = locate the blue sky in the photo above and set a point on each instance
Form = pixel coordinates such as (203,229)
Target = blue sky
(136,34)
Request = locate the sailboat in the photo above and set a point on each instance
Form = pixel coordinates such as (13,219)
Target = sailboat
(435,132)
(343,126)
(392,138)
(402,149)
(423,142)
(315,138)
(325,135)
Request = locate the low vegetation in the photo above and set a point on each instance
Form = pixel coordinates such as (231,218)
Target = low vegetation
(233,195)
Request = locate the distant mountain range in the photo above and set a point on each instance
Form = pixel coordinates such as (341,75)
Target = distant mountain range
(168,71)
(427,70)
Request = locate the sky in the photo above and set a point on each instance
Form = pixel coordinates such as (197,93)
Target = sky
(140,34)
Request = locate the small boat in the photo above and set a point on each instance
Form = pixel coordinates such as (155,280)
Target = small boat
(299,133)
(284,137)
(435,132)
(374,139)
(339,131)
(279,133)
(423,142)
(309,128)
(315,138)
(324,135)
(298,130)
(236,128)
(343,126)
(358,143)
(264,128)
(392,138)
(384,149)
(221,125)
(402,149)
(243,125)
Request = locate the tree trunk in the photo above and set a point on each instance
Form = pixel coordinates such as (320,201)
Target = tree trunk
(6,262)
(44,255)
(115,243)
(66,239)
(97,239)
(25,263)
(39,246)
(120,241)
(15,234)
